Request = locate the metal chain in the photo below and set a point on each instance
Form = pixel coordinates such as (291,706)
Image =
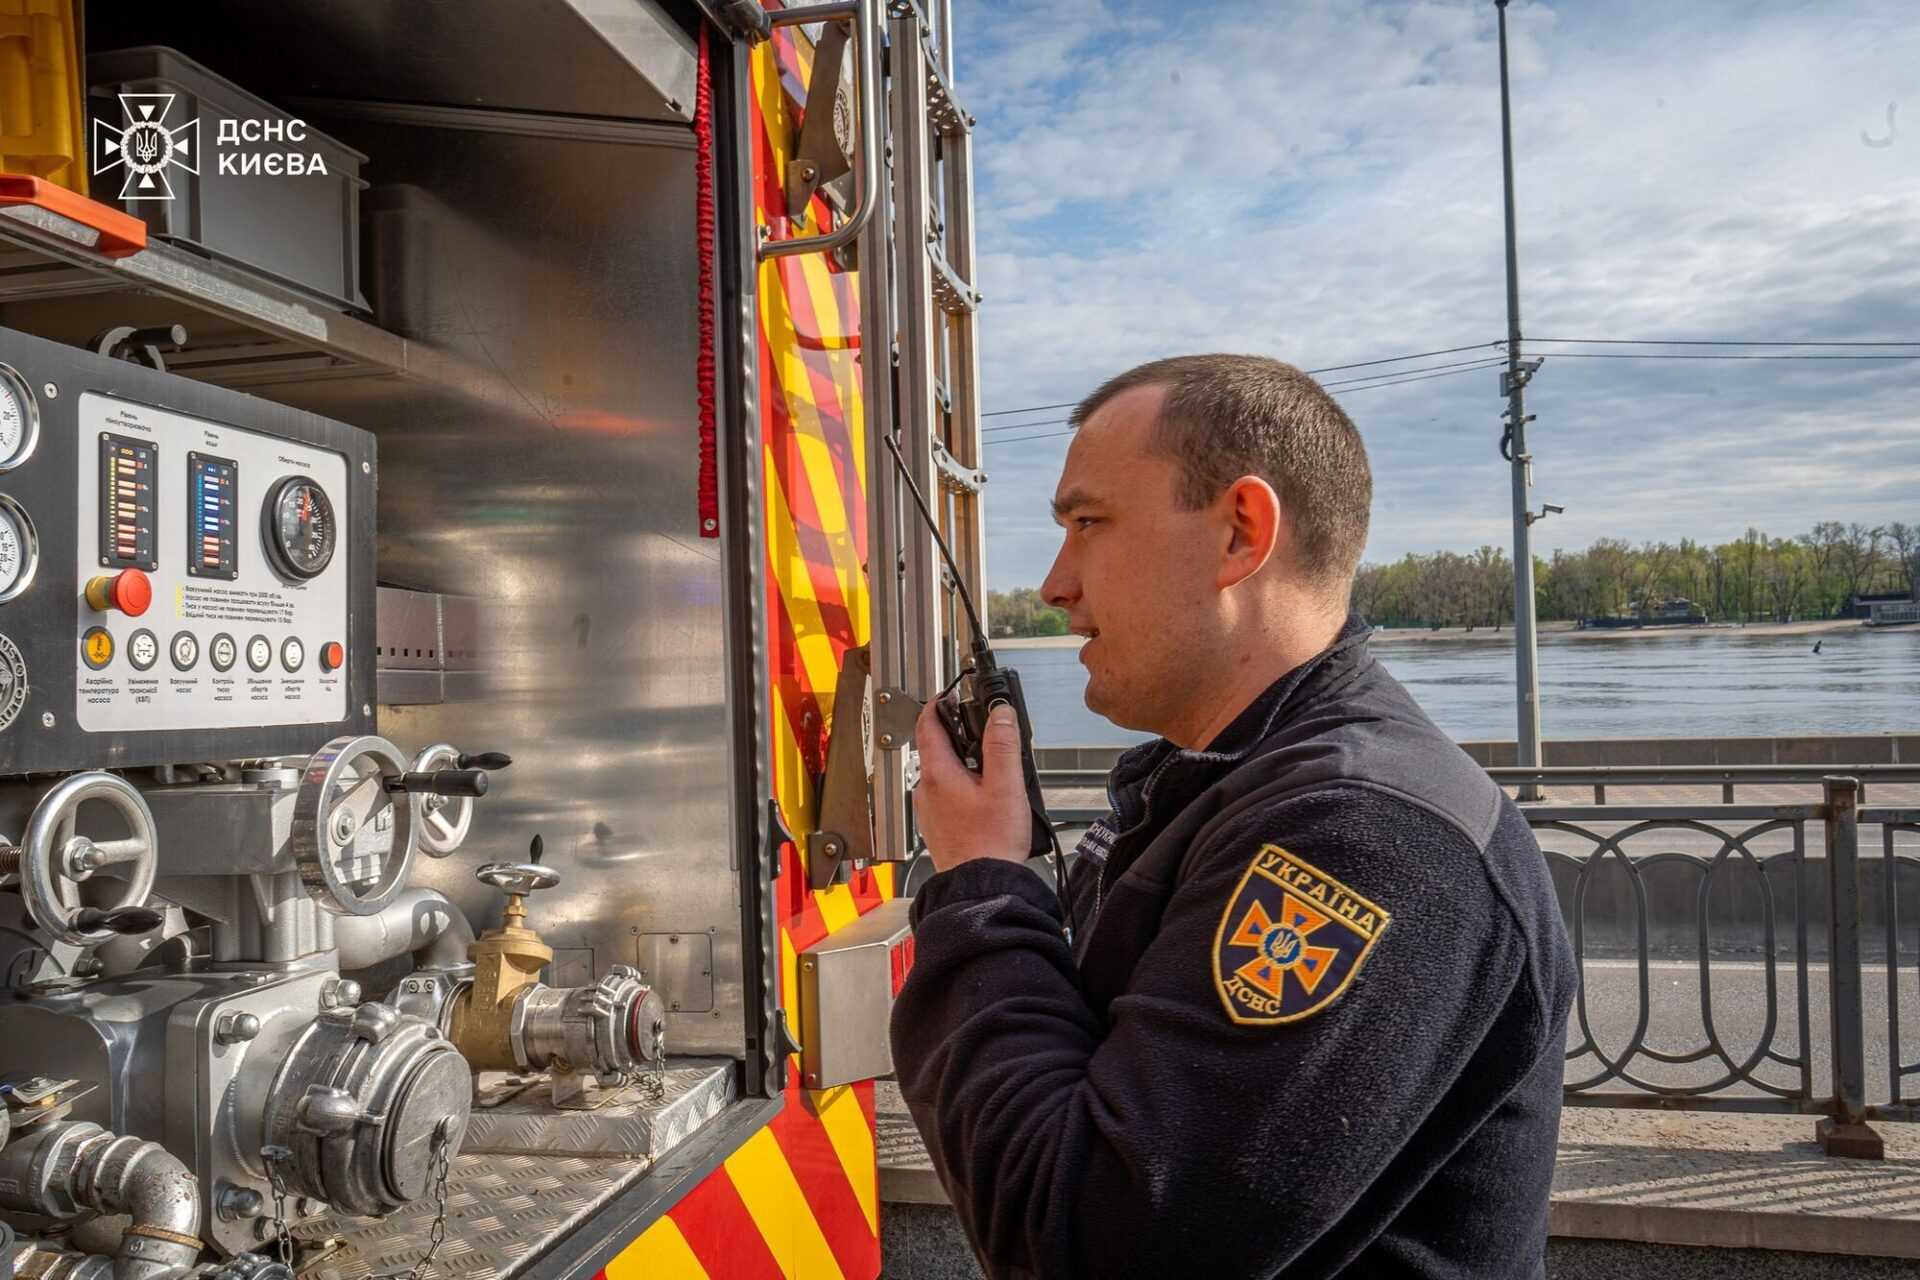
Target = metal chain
(273,1156)
(437,1233)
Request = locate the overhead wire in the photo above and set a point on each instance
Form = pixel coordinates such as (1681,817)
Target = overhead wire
(1400,377)
(1709,342)
(1484,363)
(1469,366)
(1688,355)
(1331,368)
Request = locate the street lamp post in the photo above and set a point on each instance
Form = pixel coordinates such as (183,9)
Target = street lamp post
(1514,446)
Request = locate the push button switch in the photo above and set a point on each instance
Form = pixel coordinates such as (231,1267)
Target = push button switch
(129,591)
(332,656)
(96,647)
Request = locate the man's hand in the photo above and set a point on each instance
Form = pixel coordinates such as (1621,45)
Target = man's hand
(962,815)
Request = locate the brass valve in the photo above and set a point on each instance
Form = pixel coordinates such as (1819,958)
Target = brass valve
(508,1020)
(506,960)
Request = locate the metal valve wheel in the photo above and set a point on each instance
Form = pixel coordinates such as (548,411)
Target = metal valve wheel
(54,861)
(444,820)
(354,841)
(517,877)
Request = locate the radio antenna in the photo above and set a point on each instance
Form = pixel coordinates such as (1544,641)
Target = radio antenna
(981,652)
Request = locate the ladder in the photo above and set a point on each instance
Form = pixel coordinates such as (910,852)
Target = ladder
(912,231)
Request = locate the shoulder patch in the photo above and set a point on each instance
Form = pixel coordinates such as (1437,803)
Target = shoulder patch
(1291,940)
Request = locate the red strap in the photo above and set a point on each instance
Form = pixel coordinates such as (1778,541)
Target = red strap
(703,216)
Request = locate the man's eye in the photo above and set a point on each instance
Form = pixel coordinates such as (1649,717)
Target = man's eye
(1083,521)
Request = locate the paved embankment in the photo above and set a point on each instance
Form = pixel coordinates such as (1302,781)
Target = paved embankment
(1716,1196)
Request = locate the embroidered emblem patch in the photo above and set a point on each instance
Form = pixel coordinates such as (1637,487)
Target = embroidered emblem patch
(1290,941)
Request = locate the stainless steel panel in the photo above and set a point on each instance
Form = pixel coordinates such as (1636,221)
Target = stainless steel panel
(407,630)
(568,273)
(680,967)
(846,998)
(221,830)
(619,58)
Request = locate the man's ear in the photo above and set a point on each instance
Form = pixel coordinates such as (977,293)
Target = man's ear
(1251,511)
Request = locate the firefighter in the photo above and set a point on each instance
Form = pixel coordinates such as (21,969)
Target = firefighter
(1311,1018)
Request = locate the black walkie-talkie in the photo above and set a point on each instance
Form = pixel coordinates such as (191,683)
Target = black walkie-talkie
(965,705)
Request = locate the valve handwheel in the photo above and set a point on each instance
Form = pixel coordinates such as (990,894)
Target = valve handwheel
(354,839)
(54,861)
(517,879)
(444,820)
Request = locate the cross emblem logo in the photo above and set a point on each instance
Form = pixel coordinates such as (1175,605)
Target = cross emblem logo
(146,146)
(1291,939)
(1281,946)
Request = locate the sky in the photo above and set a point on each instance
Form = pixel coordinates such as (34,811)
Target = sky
(1319,180)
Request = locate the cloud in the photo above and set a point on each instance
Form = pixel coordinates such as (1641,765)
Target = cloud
(1321,180)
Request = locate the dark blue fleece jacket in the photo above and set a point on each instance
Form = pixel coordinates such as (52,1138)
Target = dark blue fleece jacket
(1312,1024)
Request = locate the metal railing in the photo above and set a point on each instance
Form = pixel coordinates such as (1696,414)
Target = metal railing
(1753,922)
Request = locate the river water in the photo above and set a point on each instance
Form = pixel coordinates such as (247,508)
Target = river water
(1709,683)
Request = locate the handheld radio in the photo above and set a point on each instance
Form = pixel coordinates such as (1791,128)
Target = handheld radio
(964,705)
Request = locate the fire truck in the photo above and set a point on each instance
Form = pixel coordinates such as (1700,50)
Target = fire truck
(463,612)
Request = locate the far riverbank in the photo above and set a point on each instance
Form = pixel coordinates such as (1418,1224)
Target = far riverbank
(1548,631)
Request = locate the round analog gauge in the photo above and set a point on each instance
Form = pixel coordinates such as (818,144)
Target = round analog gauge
(19,549)
(300,528)
(19,420)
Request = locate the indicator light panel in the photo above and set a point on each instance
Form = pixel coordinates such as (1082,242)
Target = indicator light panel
(128,500)
(213,496)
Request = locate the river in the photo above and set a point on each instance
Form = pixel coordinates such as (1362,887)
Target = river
(1708,683)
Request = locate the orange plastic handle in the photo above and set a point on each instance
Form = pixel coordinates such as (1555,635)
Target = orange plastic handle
(120,234)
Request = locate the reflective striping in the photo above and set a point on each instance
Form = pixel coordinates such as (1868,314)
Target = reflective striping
(799,1198)
(722,1234)
(824,1182)
(848,1121)
(772,1195)
(836,907)
(836,317)
(811,641)
(661,1253)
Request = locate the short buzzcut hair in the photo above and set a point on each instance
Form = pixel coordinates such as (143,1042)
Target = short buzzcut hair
(1227,416)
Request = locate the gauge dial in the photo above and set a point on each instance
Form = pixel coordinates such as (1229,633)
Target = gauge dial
(19,549)
(300,529)
(19,420)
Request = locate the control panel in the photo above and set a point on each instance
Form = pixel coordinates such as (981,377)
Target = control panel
(194,616)
(186,573)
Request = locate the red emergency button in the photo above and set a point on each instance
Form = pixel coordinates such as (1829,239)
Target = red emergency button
(129,591)
(332,656)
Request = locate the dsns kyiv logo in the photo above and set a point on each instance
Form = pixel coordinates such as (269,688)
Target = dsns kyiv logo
(147,146)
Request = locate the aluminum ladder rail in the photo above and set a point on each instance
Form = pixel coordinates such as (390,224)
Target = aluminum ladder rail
(912,227)
(918,266)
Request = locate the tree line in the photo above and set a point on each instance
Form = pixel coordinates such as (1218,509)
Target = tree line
(1754,578)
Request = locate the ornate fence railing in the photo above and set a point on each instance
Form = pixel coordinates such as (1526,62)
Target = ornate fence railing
(1905,821)
(1728,951)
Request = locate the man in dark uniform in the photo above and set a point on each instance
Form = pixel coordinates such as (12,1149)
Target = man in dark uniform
(1311,1019)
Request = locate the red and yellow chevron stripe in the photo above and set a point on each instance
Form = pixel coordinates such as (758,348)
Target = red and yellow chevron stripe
(800,1199)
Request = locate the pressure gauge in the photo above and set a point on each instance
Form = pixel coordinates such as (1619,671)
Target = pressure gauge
(19,420)
(19,549)
(300,532)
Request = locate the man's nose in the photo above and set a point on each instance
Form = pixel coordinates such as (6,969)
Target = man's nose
(1062,585)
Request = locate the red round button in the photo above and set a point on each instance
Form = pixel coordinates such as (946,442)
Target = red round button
(130,591)
(332,656)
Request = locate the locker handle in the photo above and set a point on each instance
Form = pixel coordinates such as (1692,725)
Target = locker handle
(869,88)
